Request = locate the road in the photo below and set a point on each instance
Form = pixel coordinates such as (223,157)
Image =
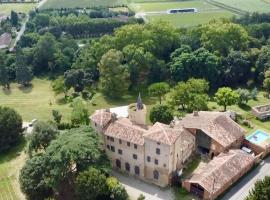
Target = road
(136,187)
(20,33)
(241,189)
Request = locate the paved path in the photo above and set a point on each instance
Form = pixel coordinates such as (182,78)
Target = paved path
(20,33)
(241,189)
(136,187)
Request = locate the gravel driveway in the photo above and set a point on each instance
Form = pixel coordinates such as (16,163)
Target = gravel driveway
(136,187)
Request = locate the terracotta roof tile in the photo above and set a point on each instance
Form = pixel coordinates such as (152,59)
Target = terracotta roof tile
(217,125)
(102,117)
(222,170)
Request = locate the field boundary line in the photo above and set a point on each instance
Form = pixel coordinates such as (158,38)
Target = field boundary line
(230,8)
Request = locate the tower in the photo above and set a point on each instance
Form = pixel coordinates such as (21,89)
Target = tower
(137,112)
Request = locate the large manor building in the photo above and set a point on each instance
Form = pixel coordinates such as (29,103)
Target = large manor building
(157,153)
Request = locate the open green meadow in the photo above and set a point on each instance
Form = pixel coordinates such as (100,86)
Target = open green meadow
(17,7)
(10,165)
(260,6)
(82,3)
(190,19)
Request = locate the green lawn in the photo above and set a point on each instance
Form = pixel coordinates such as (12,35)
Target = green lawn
(18,7)
(10,165)
(39,101)
(248,5)
(164,6)
(82,3)
(190,19)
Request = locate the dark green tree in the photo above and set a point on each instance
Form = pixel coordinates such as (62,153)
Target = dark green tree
(161,113)
(14,18)
(56,116)
(10,128)
(42,135)
(91,184)
(4,76)
(23,72)
(261,191)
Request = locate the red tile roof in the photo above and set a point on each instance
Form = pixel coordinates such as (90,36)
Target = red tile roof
(217,125)
(102,117)
(222,170)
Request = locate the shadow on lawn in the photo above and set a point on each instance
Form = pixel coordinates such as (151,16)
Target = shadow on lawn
(26,89)
(245,107)
(14,152)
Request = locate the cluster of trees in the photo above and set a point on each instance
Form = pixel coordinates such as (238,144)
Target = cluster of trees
(7,24)
(71,165)
(77,24)
(261,191)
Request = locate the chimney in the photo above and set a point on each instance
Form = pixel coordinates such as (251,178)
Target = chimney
(196,113)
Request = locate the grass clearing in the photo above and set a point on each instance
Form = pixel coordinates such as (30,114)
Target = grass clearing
(260,6)
(10,165)
(6,8)
(190,19)
(82,3)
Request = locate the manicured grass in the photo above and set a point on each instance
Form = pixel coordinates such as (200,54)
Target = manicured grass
(10,165)
(17,7)
(82,3)
(260,6)
(190,19)
(37,101)
(164,6)
(245,111)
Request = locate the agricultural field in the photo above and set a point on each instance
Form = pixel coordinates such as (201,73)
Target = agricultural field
(153,11)
(190,19)
(17,7)
(260,6)
(81,3)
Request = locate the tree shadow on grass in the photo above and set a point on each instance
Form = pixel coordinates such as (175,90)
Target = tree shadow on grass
(13,152)
(245,107)
(26,89)
(6,91)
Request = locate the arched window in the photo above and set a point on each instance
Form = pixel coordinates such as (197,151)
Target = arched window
(118,163)
(137,170)
(156,174)
(127,167)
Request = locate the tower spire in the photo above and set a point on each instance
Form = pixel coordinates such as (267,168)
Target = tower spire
(139,102)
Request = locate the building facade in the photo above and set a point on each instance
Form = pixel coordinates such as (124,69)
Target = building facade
(150,153)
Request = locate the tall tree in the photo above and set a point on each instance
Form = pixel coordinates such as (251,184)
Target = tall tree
(10,128)
(80,114)
(158,90)
(23,72)
(161,113)
(266,82)
(58,86)
(14,18)
(114,76)
(4,76)
(225,96)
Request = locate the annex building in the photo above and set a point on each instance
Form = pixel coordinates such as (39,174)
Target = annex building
(157,153)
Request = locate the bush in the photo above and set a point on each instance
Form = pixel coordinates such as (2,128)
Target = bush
(10,128)
(161,113)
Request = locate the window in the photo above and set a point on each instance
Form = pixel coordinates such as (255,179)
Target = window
(127,166)
(158,143)
(148,159)
(112,139)
(108,147)
(95,124)
(128,144)
(156,161)
(112,149)
(137,170)
(135,146)
(158,151)
(164,165)
(120,151)
(156,174)
(120,141)
(108,137)
(135,156)
(118,163)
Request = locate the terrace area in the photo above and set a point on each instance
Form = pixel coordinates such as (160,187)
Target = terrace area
(262,112)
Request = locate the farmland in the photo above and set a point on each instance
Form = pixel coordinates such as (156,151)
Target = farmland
(260,6)
(18,7)
(82,3)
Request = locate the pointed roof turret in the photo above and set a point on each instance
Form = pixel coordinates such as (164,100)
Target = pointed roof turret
(139,102)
